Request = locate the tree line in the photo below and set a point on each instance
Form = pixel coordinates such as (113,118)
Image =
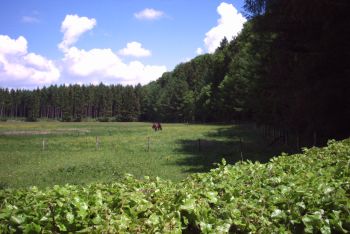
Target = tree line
(72,103)
(288,68)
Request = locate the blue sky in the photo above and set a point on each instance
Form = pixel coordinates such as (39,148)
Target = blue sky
(127,42)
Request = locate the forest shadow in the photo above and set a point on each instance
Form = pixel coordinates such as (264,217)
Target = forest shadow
(234,143)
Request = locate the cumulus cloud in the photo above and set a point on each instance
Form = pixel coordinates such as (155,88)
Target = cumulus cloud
(102,63)
(12,46)
(135,49)
(106,64)
(148,14)
(229,25)
(72,27)
(19,66)
(199,51)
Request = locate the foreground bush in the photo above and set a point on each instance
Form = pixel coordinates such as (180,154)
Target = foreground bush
(307,192)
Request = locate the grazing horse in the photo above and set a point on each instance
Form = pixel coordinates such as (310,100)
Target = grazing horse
(156,126)
(159,126)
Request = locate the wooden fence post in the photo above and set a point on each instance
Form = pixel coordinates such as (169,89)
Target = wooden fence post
(147,144)
(97,142)
(241,147)
(43,144)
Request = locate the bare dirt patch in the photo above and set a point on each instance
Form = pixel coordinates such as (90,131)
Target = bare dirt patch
(72,130)
(43,132)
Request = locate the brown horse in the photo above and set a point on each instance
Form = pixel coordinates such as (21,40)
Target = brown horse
(156,126)
(159,126)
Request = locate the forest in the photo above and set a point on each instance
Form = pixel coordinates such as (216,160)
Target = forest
(289,69)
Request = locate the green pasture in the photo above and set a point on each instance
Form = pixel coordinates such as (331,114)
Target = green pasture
(70,154)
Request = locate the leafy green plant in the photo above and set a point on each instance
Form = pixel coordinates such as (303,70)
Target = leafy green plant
(308,192)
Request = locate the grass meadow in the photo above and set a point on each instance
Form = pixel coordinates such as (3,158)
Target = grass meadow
(70,153)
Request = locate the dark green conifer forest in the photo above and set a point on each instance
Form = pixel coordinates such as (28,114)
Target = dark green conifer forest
(288,69)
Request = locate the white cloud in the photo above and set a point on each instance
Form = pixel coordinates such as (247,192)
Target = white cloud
(106,65)
(29,19)
(72,27)
(199,51)
(12,46)
(148,14)
(103,64)
(19,66)
(135,49)
(229,25)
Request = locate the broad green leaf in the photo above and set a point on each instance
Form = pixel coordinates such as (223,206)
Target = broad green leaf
(70,217)
(62,227)
(18,219)
(97,220)
(277,214)
(154,219)
(212,196)
(189,204)
(32,228)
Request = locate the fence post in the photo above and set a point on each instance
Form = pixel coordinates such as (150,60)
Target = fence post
(147,144)
(241,147)
(97,142)
(43,144)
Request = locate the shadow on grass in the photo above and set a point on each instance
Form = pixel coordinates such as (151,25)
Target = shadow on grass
(234,143)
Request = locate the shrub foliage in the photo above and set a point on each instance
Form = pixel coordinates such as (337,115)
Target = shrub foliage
(308,192)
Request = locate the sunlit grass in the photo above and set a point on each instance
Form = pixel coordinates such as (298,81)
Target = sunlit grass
(70,154)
